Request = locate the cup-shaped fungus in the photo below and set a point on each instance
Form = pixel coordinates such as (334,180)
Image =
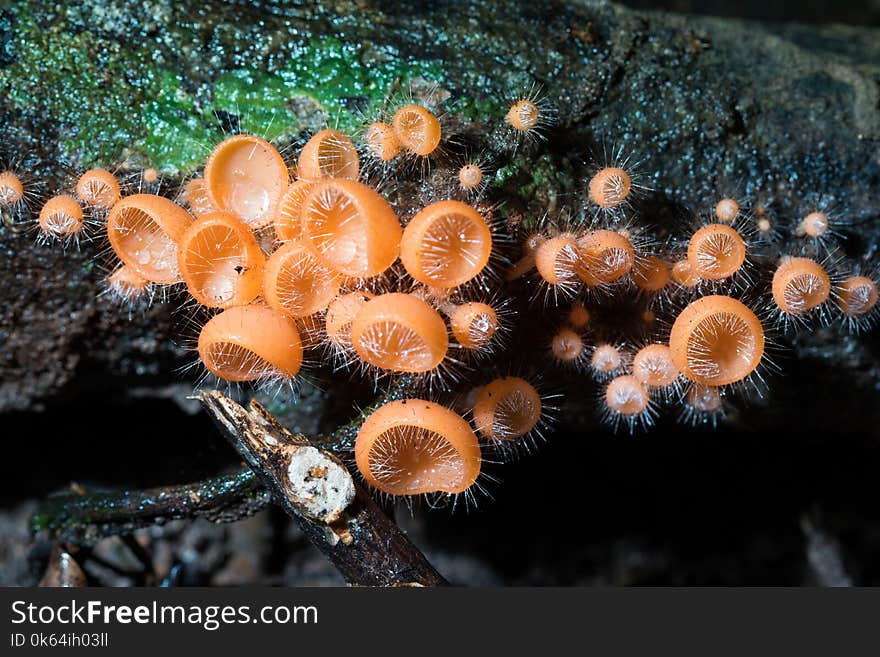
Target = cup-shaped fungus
(567,347)
(605,256)
(251,343)
(287,216)
(61,217)
(815,224)
(328,154)
(382,141)
(473,324)
(144,230)
(507,408)
(98,188)
(799,285)
(578,316)
(610,187)
(340,313)
(400,333)
(716,340)
(716,252)
(606,360)
(653,365)
(417,129)
(524,115)
(857,296)
(726,210)
(195,197)
(415,447)
(556,259)
(296,283)
(626,395)
(11,189)
(351,228)
(470,177)
(446,244)
(247,176)
(220,261)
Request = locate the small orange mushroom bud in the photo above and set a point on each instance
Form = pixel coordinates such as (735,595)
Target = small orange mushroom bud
(858,296)
(382,141)
(249,343)
(653,365)
(150,175)
(400,333)
(524,115)
(11,189)
(98,188)
(578,316)
(220,261)
(296,283)
(650,273)
(717,340)
(247,176)
(606,360)
(815,224)
(610,187)
(289,212)
(415,447)
(144,230)
(716,252)
(328,154)
(446,244)
(605,256)
(567,346)
(799,285)
(507,409)
(727,210)
(626,395)
(417,129)
(470,176)
(351,228)
(61,217)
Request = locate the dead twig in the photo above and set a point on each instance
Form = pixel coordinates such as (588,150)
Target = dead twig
(317,490)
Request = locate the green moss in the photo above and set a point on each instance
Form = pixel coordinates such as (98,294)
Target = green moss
(110,101)
(326,71)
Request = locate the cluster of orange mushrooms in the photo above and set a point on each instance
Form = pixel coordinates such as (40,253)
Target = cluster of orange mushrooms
(292,259)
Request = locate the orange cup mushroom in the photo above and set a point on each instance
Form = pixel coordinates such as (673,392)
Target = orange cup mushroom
(381,141)
(220,261)
(61,217)
(328,154)
(247,176)
(417,129)
(610,187)
(350,228)
(415,447)
(716,341)
(473,324)
(144,230)
(296,283)
(507,408)
(98,188)
(400,333)
(605,256)
(446,244)
(340,313)
(799,285)
(857,296)
(716,252)
(288,215)
(251,343)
